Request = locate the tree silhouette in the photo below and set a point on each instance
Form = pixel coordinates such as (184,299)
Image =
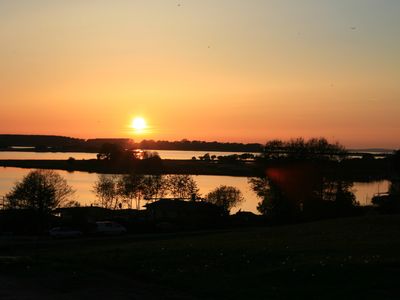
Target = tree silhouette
(182,186)
(225,197)
(110,151)
(40,190)
(131,187)
(299,189)
(274,203)
(300,149)
(154,186)
(106,190)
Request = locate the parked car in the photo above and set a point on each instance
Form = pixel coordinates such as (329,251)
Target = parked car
(64,232)
(109,228)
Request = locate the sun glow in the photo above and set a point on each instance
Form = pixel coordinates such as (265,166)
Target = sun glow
(139,125)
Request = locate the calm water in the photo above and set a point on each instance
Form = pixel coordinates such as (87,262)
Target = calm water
(45,155)
(164,154)
(83,184)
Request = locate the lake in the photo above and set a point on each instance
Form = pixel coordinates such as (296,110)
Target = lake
(83,182)
(164,154)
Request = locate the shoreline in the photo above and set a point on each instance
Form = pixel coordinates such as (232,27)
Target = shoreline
(352,170)
(167,166)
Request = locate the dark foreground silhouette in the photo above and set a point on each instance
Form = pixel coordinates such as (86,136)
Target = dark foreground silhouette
(227,257)
(352,258)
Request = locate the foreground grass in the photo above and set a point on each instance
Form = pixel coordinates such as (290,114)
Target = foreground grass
(355,258)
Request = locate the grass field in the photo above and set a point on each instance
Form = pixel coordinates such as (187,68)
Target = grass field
(354,258)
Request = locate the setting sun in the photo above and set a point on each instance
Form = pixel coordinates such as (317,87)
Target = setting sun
(138,124)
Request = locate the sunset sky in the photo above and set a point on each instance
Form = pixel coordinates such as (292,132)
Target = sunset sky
(226,70)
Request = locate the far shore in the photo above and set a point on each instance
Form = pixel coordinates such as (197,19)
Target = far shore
(168,166)
(351,170)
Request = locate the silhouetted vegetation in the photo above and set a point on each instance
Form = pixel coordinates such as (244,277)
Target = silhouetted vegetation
(41,191)
(300,149)
(145,166)
(389,202)
(97,144)
(198,146)
(114,156)
(302,179)
(107,191)
(297,179)
(225,197)
(274,204)
(182,186)
(116,191)
(120,156)
(60,143)
(236,157)
(132,187)
(42,142)
(155,187)
(112,152)
(28,207)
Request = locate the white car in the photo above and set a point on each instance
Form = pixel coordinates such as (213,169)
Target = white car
(64,232)
(109,228)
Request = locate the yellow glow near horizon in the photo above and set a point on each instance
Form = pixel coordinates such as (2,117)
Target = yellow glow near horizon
(139,125)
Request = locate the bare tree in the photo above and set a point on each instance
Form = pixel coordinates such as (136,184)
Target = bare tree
(154,186)
(106,190)
(131,187)
(182,186)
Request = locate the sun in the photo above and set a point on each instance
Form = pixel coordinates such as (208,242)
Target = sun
(138,124)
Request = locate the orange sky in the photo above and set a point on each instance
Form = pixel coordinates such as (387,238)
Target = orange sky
(244,71)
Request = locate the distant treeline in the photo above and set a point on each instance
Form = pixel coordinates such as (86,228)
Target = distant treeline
(199,146)
(12,140)
(61,143)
